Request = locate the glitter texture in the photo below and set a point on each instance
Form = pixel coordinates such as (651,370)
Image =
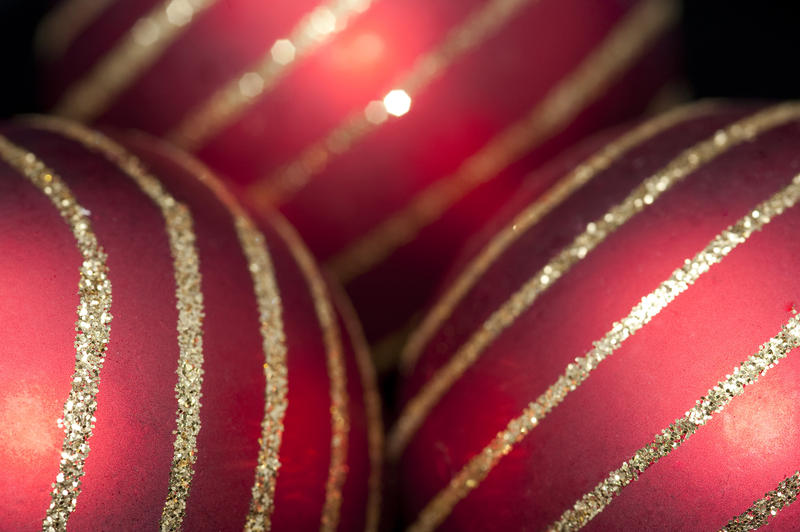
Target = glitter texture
(231,101)
(773,502)
(91,338)
(273,337)
(619,49)
(275,373)
(137,50)
(340,420)
(481,24)
(596,232)
(531,215)
(770,353)
(576,373)
(372,406)
(189,302)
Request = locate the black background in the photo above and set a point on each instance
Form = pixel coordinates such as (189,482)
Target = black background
(18,20)
(741,49)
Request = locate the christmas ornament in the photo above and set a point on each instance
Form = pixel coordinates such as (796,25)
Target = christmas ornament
(208,380)
(609,356)
(386,131)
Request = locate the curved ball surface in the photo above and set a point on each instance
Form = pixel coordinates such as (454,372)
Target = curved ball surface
(620,351)
(295,103)
(166,358)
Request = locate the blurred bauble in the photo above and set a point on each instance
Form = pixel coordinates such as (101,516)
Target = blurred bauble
(206,371)
(295,103)
(597,333)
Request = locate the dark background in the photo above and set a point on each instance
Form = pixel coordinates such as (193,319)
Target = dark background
(18,20)
(741,49)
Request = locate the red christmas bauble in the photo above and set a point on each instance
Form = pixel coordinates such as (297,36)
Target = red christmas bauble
(608,357)
(294,103)
(207,380)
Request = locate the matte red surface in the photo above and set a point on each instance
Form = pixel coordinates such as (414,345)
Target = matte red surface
(475,98)
(131,449)
(658,373)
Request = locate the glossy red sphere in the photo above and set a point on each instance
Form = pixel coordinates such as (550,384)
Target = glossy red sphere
(230,390)
(624,323)
(285,99)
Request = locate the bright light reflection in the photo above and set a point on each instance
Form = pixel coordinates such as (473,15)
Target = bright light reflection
(323,21)
(283,51)
(251,84)
(179,12)
(397,102)
(376,112)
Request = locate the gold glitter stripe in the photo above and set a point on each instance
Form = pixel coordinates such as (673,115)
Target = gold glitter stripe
(372,405)
(91,338)
(576,373)
(596,232)
(669,439)
(276,391)
(270,312)
(340,419)
(87,98)
(626,42)
(229,103)
(531,215)
(773,502)
(62,25)
(480,25)
(189,302)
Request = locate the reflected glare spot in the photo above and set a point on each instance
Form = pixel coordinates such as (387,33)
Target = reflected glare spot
(145,32)
(323,21)
(397,102)
(359,6)
(283,51)
(376,112)
(251,84)
(179,12)
(25,431)
(358,53)
(367,48)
